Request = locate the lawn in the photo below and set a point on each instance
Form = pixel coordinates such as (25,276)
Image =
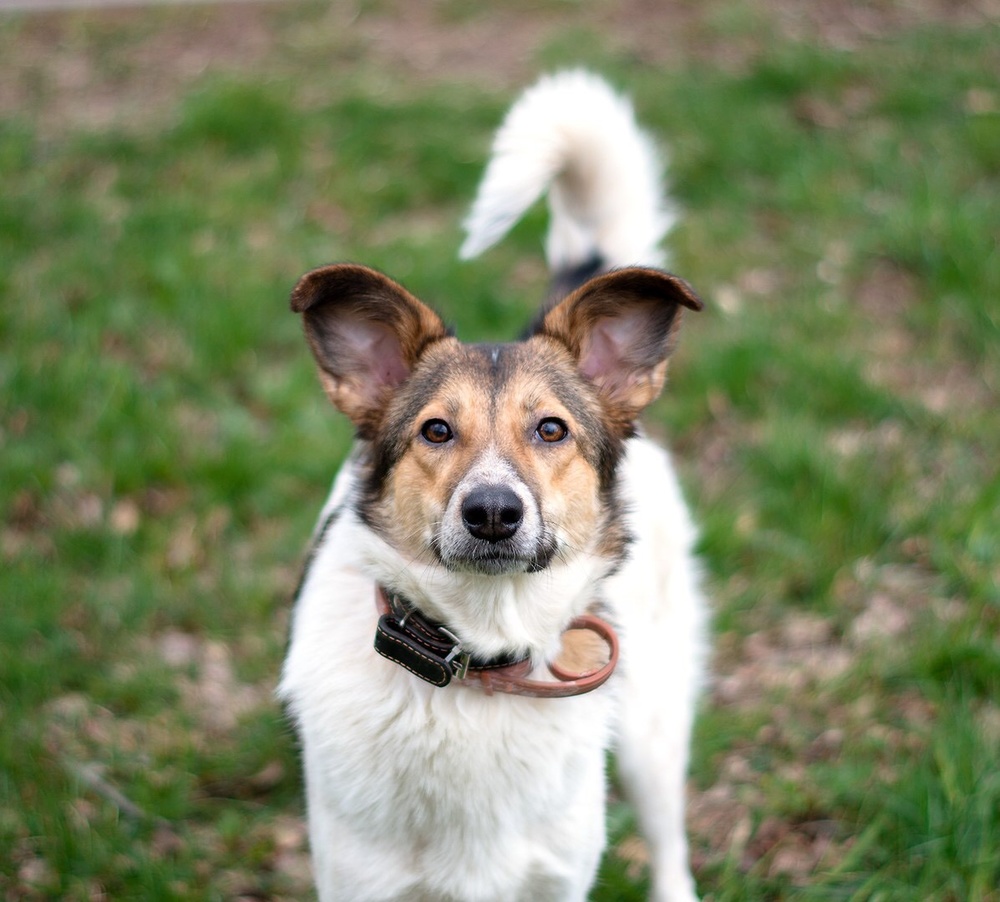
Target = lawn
(168,173)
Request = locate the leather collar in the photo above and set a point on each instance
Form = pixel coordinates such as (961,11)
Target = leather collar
(432,652)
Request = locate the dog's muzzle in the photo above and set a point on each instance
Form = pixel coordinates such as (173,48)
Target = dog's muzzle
(492,525)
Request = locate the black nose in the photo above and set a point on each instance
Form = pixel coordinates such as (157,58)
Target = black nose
(492,512)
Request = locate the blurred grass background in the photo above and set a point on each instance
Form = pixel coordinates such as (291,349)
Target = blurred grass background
(165,176)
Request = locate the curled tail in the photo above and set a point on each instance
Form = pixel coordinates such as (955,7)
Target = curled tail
(572,135)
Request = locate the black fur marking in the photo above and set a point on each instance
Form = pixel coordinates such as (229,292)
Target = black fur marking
(567,280)
(563,283)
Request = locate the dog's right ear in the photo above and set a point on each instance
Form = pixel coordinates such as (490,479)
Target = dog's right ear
(620,327)
(366,332)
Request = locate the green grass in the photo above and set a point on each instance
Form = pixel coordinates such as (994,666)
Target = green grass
(165,447)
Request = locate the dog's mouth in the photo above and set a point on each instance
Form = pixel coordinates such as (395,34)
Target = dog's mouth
(495,558)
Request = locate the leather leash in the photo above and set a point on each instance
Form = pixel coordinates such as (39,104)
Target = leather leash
(433,653)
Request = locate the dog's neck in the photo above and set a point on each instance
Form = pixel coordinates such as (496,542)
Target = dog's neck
(433,653)
(426,648)
(520,614)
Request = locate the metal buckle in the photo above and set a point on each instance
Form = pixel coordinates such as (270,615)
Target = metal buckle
(456,658)
(399,611)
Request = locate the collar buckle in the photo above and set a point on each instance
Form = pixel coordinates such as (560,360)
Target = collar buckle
(428,650)
(456,658)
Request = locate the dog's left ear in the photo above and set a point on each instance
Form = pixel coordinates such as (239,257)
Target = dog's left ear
(620,327)
(366,332)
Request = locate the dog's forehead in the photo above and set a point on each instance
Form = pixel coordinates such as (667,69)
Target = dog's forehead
(485,376)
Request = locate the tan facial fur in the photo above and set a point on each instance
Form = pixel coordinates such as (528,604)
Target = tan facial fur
(493,400)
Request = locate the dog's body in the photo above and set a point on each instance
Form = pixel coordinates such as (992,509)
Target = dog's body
(502,490)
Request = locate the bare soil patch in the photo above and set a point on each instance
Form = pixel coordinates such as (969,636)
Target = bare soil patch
(101,66)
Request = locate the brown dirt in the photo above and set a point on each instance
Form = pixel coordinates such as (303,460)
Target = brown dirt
(91,68)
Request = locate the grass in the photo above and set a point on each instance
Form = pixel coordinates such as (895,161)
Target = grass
(164,446)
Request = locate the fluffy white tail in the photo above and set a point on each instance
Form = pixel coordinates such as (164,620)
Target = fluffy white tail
(572,135)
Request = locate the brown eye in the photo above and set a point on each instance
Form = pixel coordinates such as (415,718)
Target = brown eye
(436,432)
(552,430)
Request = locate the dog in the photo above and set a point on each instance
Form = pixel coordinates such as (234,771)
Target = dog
(500,511)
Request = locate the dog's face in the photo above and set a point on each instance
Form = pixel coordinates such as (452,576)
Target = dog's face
(491,459)
(494,459)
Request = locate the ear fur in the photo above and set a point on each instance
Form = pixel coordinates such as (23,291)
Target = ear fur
(620,328)
(366,332)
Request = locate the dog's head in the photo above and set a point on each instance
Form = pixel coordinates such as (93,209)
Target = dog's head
(492,459)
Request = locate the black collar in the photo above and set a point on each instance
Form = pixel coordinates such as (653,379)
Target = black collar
(424,647)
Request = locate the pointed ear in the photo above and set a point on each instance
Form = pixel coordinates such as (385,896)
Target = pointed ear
(620,327)
(366,333)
